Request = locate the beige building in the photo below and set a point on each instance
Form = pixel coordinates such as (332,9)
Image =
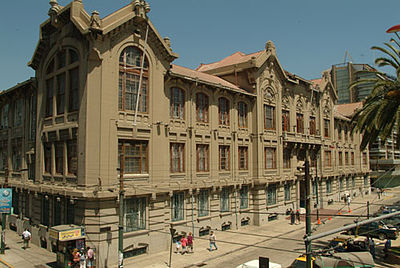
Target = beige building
(214,148)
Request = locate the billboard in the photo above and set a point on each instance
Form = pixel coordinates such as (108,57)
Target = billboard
(5,200)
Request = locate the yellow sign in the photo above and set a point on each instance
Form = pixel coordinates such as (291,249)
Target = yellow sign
(69,235)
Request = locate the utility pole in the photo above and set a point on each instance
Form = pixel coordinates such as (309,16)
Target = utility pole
(308,211)
(316,187)
(121,213)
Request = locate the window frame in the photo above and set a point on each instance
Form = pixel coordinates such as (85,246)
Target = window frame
(180,167)
(223,111)
(327,128)
(271,195)
(202,106)
(140,156)
(270,121)
(225,200)
(178,213)
(299,123)
(286,120)
(272,150)
(224,149)
(243,157)
(202,161)
(136,205)
(177,103)
(242,114)
(203,203)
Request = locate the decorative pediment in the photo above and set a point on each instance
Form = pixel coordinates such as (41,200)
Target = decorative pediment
(269,95)
(299,105)
(285,102)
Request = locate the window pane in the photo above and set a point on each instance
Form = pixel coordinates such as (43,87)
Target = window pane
(244,197)
(177,206)
(203,203)
(134,214)
(224,200)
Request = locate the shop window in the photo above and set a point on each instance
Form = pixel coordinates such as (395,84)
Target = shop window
(177,206)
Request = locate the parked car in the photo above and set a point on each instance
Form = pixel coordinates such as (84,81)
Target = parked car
(348,244)
(254,264)
(386,209)
(375,229)
(392,221)
(344,259)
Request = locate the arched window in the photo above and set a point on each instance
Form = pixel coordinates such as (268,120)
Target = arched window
(202,107)
(242,112)
(223,111)
(177,103)
(130,62)
(62,83)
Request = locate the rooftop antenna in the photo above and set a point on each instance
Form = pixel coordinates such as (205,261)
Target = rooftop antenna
(347,58)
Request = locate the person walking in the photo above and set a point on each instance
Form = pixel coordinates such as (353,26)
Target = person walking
(82,258)
(190,242)
(184,242)
(26,236)
(212,241)
(90,257)
(76,258)
(298,216)
(388,245)
(372,247)
(292,217)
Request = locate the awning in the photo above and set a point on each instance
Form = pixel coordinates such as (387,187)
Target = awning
(66,232)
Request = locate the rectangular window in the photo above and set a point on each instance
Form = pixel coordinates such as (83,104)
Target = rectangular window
(244,197)
(286,158)
(15,201)
(364,158)
(223,111)
(224,199)
(224,157)
(329,186)
(49,97)
(177,103)
(352,158)
(341,183)
(177,207)
(313,126)
(270,157)
(269,117)
(47,157)
(346,158)
(56,211)
(300,123)
(314,188)
(4,116)
(328,158)
(340,159)
(347,183)
(72,157)
(327,128)
(177,155)
(130,82)
(135,156)
(366,180)
(285,121)
(134,214)
(243,158)
(60,97)
(45,211)
(353,182)
(271,194)
(17,155)
(287,191)
(59,154)
(18,112)
(202,107)
(242,112)
(74,90)
(70,209)
(203,203)
(202,153)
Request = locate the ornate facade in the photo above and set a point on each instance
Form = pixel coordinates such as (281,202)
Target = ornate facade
(214,148)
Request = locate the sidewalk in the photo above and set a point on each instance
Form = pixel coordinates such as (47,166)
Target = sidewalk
(16,256)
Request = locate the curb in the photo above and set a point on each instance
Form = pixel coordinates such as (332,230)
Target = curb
(6,264)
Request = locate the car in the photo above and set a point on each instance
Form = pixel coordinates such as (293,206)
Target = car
(386,209)
(392,221)
(347,244)
(343,259)
(255,264)
(375,229)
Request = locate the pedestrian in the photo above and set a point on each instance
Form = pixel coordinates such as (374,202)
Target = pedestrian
(76,257)
(90,257)
(379,190)
(184,242)
(26,236)
(298,216)
(372,247)
(292,217)
(82,259)
(348,201)
(178,246)
(212,241)
(388,245)
(190,242)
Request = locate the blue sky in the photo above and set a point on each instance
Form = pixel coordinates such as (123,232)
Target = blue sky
(309,35)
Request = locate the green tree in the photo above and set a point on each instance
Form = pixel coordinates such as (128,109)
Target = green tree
(380,113)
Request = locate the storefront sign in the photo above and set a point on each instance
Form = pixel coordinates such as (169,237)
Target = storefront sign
(69,235)
(5,200)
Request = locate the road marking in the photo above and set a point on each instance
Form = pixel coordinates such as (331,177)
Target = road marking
(6,264)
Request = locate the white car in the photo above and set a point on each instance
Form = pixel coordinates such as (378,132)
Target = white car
(254,264)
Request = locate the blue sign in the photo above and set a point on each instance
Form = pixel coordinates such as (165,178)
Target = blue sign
(5,200)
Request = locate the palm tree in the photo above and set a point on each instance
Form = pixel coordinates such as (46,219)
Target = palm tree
(380,113)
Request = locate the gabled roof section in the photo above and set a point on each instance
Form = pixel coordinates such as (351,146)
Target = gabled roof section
(235,58)
(347,110)
(324,83)
(86,24)
(204,78)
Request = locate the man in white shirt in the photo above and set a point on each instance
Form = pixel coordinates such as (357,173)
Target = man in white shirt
(26,236)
